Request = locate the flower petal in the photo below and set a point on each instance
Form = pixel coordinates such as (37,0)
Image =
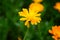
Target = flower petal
(27,23)
(23,19)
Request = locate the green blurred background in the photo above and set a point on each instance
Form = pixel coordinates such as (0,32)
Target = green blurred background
(11,27)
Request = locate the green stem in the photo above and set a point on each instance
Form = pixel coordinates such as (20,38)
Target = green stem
(25,35)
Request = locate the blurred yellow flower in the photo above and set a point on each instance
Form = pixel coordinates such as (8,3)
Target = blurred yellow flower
(36,7)
(57,6)
(30,16)
(37,1)
(56,32)
(19,38)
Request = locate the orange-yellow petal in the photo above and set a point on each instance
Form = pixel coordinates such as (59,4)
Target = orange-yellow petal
(37,1)
(50,31)
(57,6)
(36,7)
(27,23)
(55,37)
(25,11)
(23,19)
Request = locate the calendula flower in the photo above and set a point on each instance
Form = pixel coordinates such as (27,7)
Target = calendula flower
(36,7)
(30,16)
(37,1)
(57,6)
(56,32)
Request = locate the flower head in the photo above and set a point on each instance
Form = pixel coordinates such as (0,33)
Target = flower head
(30,16)
(37,1)
(57,6)
(56,32)
(36,7)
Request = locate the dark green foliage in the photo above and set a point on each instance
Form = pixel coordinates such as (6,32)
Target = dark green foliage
(11,27)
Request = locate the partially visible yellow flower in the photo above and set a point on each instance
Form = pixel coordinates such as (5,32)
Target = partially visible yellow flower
(56,32)
(36,7)
(37,1)
(30,16)
(19,38)
(57,6)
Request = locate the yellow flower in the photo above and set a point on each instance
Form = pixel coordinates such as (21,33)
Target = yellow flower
(56,32)
(30,16)
(36,7)
(37,1)
(57,6)
(19,38)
